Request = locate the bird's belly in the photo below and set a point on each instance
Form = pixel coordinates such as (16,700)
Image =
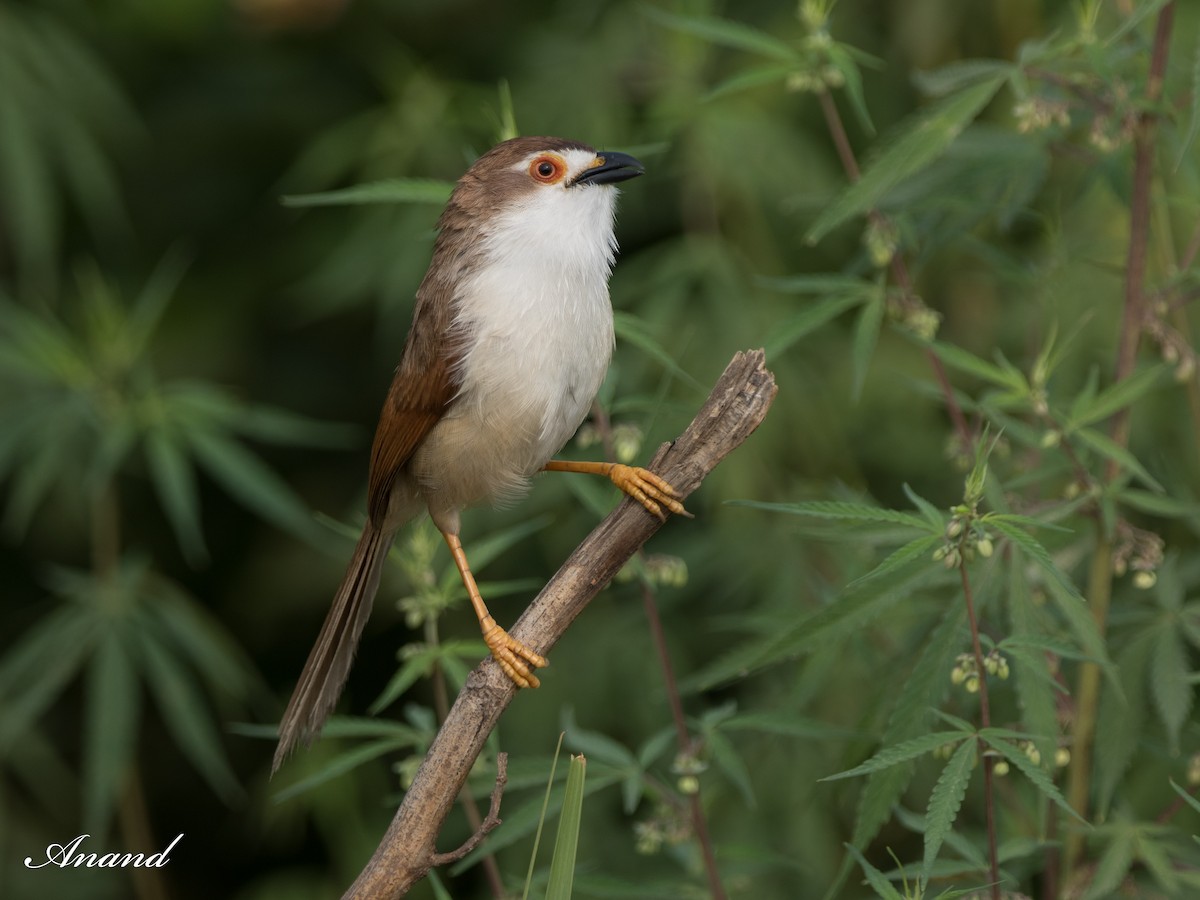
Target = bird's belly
(522,398)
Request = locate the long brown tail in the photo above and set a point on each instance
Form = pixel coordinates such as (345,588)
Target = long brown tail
(329,661)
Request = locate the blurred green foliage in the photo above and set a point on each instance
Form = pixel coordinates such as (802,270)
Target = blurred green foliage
(174,445)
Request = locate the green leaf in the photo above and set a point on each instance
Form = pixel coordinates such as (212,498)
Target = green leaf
(812,317)
(537,838)
(1035,551)
(251,482)
(1035,688)
(842,56)
(1019,759)
(945,802)
(1194,114)
(751,78)
(902,752)
(187,716)
(38,666)
(562,864)
(921,692)
(389,190)
(838,509)
(921,141)
(1002,376)
(175,483)
(1162,505)
(932,515)
(1169,686)
(633,330)
(342,763)
(875,878)
(725,33)
(866,335)
(1115,861)
(861,601)
(597,745)
(1110,449)
(728,761)
(1116,397)
(113,701)
(957,75)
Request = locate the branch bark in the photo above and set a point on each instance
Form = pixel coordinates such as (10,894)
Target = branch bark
(735,408)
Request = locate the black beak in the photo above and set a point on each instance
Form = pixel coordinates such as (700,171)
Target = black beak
(611,168)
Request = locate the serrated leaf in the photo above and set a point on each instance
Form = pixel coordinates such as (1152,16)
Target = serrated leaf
(1169,686)
(1020,760)
(861,602)
(921,692)
(945,802)
(922,140)
(1115,861)
(838,509)
(1035,688)
(932,514)
(900,753)
(389,190)
(1036,552)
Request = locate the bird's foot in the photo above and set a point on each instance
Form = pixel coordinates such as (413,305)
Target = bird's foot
(647,489)
(514,657)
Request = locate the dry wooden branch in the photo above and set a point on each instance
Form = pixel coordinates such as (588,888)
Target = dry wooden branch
(736,406)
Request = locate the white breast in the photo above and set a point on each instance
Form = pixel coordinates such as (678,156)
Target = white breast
(542,329)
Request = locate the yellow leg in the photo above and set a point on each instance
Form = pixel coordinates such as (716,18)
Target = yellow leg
(641,484)
(513,656)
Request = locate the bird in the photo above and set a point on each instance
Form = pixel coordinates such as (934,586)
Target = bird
(511,337)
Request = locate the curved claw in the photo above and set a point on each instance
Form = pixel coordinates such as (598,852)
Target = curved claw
(648,489)
(514,657)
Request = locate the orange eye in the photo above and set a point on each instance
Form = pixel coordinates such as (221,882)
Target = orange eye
(547,169)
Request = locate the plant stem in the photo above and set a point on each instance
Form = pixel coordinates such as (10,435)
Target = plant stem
(1087,693)
(985,721)
(1087,702)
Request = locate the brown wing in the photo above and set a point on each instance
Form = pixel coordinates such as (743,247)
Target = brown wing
(421,391)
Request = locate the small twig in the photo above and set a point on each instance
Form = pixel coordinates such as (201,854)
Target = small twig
(737,405)
(489,823)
